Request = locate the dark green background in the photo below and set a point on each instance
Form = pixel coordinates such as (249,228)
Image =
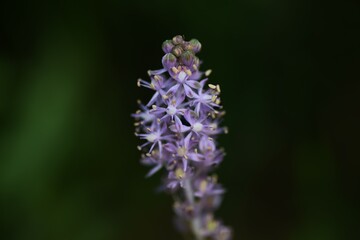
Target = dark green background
(289,72)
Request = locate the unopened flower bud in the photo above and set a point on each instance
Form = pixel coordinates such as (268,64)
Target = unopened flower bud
(177,51)
(169,60)
(187,58)
(178,39)
(167,46)
(194,45)
(195,65)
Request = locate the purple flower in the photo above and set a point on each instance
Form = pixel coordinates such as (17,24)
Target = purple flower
(180,125)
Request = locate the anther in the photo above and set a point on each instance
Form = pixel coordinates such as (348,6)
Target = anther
(208,72)
(213,98)
(188,72)
(218,88)
(174,69)
(157,77)
(212,86)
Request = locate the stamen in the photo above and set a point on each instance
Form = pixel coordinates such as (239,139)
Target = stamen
(208,72)
(213,98)
(188,72)
(179,173)
(203,185)
(174,69)
(218,88)
(212,86)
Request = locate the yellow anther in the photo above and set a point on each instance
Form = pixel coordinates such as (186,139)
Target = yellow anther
(218,88)
(213,98)
(212,225)
(154,107)
(181,151)
(138,83)
(188,72)
(174,69)
(212,86)
(208,72)
(203,186)
(179,173)
(214,178)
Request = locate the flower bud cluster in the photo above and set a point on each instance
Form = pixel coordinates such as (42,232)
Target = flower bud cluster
(180,125)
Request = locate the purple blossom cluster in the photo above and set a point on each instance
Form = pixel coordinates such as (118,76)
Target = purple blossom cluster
(180,125)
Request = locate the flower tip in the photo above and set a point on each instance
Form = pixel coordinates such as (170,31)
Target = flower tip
(178,39)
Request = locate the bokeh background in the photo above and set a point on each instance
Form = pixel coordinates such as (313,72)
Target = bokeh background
(289,72)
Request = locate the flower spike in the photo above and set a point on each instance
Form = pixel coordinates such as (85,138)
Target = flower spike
(180,125)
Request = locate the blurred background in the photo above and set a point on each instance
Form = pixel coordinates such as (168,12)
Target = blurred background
(289,72)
